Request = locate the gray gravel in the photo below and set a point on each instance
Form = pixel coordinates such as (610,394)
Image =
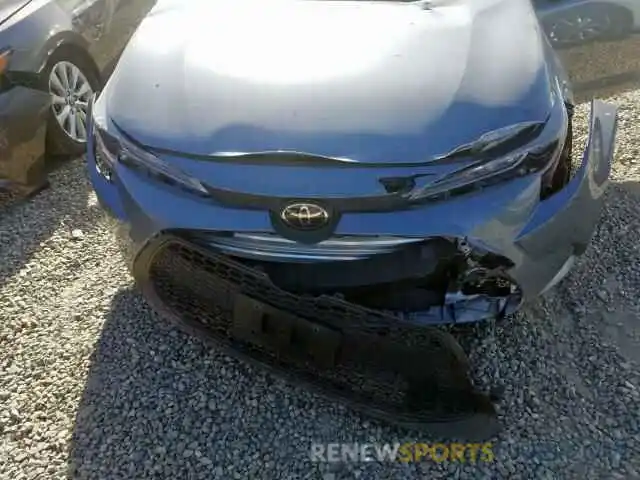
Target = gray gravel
(93,385)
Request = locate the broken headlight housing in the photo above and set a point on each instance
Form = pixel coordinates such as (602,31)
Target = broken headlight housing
(500,159)
(112,146)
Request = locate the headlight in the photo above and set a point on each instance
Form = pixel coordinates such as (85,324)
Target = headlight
(106,152)
(147,163)
(492,167)
(111,150)
(470,177)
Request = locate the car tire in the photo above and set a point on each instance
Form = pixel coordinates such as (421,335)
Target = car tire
(610,22)
(79,69)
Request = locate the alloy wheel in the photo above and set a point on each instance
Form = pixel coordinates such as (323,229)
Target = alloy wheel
(70,93)
(579,28)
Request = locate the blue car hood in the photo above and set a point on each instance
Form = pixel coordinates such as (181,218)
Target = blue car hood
(364,81)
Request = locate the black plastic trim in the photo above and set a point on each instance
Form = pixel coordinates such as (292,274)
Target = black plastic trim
(460,411)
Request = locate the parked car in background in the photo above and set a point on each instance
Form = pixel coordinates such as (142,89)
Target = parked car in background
(360,168)
(54,54)
(597,41)
(576,22)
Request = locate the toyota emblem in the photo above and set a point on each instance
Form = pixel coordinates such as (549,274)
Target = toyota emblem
(305,216)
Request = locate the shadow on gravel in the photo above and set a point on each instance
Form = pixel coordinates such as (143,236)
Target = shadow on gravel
(142,405)
(108,429)
(25,224)
(632,188)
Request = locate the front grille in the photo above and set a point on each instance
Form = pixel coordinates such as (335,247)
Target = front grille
(408,375)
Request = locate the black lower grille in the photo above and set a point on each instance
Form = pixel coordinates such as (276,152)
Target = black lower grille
(409,375)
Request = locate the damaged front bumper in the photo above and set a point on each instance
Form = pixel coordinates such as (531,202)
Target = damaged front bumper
(398,369)
(538,241)
(561,228)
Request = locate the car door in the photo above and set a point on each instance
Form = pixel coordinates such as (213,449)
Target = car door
(127,15)
(598,42)
(107,25)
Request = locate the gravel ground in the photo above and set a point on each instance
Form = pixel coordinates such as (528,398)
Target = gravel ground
(93,385)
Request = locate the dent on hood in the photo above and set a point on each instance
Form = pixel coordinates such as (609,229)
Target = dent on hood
(186,78)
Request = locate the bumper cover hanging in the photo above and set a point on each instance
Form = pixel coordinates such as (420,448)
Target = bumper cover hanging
(410,376)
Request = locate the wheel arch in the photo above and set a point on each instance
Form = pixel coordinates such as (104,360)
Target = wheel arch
(67,44)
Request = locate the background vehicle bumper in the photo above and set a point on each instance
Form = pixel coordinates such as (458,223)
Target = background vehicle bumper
(23,119)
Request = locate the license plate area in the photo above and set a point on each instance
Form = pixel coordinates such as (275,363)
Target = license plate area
(290,336)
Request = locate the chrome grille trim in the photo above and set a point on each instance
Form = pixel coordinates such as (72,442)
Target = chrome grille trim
(272,247)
